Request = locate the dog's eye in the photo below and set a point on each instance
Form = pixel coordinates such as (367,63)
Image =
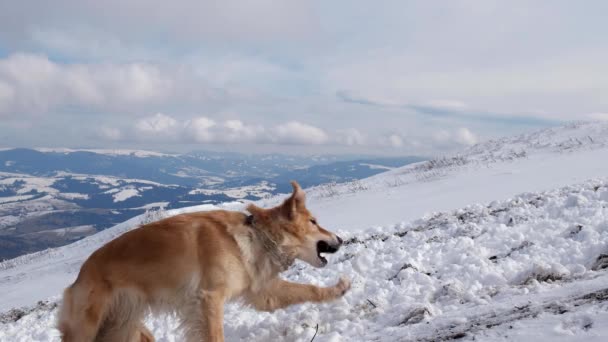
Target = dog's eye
(313,221)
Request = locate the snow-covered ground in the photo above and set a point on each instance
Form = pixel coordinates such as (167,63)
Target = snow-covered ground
(30,183)
(512,245)
(124,194)
(263,189)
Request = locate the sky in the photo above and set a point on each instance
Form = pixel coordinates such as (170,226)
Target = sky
(343,76)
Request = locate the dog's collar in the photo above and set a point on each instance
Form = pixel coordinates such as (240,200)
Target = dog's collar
(249,220)
(279,258)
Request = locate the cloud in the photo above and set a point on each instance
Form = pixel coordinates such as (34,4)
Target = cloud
(164,128)
(158,126)
(199,129)
(395,140)
(68,63)
(237,131)
(465,137)
(461,136)
(32,84)
(110,133)
(189,23)
(351,137)
(449,109)
(296,133)
(7,94)
(598,116)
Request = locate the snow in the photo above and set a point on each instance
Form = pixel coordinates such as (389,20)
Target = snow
(125,194)
(439,276)
(73,195)
(507,241)
(106,180)
(9,199)
(84,229)
(40,184)
(259,190)
(377,167)
(30,206)
(154,205)
(409,192)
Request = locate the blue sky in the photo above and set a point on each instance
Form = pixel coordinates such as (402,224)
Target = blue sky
(385,77)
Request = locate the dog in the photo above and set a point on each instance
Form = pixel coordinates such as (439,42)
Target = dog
(190,265)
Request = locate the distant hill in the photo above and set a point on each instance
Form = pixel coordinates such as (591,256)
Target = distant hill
(50,197)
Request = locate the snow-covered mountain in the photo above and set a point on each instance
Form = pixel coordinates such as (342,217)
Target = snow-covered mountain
(51,197)
(506,241)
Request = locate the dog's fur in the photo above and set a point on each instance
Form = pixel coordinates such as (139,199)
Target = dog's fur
(191,264)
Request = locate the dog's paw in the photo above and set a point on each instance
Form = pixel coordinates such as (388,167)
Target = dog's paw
(342,286)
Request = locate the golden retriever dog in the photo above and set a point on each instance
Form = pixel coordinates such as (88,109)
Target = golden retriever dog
(190,265)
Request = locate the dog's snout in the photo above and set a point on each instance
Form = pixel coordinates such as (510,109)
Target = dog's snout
(339,240)
(327,247)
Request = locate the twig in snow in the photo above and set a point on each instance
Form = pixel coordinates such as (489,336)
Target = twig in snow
(316,331)
(372,303)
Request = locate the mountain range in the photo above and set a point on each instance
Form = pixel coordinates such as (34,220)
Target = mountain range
(50,197)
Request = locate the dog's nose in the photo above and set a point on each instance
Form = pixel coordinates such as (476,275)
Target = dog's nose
(339,239)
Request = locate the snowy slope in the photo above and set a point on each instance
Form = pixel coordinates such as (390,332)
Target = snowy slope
(524,267)
(499,271)
(492,170)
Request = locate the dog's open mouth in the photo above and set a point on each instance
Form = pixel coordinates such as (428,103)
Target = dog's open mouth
(324,247)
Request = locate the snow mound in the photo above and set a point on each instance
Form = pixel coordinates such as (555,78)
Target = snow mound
(532,264)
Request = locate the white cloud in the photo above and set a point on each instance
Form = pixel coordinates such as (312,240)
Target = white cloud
(400,75)
(205,130)
(237,131)
(465,137)
(110,133)
(159,126)
(395,140)
(461,136)
(598,116)
(351,137)
(442,136)
(33,84)
(199,129)
(164,128)
(295,132)
(447,104)
(6,97)
(190,23)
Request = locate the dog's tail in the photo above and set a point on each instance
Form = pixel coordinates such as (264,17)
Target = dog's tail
(82,311)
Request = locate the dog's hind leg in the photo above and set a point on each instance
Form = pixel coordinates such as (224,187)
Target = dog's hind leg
(203,318)
(280,294)
(123,320)
(212,310)
(126,332)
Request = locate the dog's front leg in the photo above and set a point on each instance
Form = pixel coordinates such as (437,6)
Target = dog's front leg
(280,294)
(212,309)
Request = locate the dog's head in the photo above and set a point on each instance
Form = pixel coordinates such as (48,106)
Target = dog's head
(296,230)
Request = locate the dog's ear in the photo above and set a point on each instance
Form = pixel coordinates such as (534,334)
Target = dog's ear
(295,202)
(257,212)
